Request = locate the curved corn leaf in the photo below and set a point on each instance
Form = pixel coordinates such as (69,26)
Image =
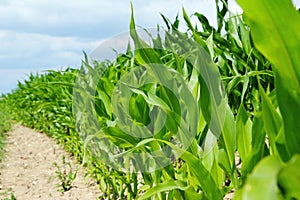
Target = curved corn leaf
(209,186)
(262,182)
(289,178)
(243,132)
(168,186)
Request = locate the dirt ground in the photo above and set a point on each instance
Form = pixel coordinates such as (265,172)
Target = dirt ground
(28,172)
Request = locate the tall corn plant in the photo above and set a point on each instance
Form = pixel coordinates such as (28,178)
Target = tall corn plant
(237,48)
(94,97)
(92,109)
(275,33)
(192,165)
(244,69)
(184,177)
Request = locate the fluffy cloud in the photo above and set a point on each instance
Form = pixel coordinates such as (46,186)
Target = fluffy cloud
(92,19)
(22,53)
(61,18)
(44,34)
(19,50)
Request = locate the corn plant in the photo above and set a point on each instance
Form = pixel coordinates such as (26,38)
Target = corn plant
(274,33)
(65,175)
(12,197)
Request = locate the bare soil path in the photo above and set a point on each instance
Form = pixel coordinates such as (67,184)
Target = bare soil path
(27,170)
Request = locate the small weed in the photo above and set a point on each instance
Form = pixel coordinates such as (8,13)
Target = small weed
(65,175)
(12,196)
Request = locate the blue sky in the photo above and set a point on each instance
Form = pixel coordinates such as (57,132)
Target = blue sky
(37,35)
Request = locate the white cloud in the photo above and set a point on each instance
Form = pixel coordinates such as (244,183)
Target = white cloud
(91,18)
(22,53)
(37,35)
(33,50)
(62,18)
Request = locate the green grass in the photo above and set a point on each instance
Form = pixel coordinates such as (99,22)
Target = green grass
(255,115)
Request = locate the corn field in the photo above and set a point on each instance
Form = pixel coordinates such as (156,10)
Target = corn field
(193,114)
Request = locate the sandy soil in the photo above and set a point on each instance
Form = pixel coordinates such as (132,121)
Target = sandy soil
(27,170)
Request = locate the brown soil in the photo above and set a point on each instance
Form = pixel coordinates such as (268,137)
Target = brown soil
(27,170)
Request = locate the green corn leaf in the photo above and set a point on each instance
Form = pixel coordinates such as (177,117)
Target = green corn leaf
(119,136)
(190,193)
(187,20)
(262,182)
(204,22)
(139,109)
(234,82)
(143,52)
(243,132)
(273,124)
(164,187)
(289,178)
(166,20)
(106,101)
(233,29)
(245,37)
(223,161)
(228,138)
(258,145)
(205,101)
(221,13)
(205,179)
